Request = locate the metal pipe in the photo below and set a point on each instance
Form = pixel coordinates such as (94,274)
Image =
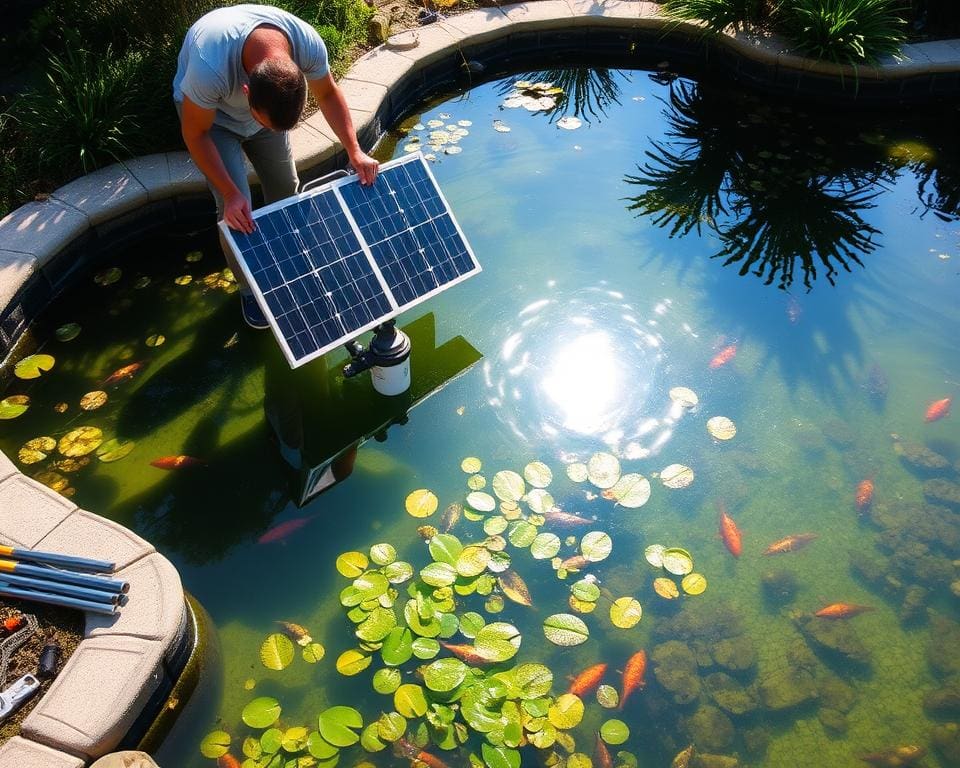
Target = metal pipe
(57,559)
(51,599)
(70,590)
(66,577)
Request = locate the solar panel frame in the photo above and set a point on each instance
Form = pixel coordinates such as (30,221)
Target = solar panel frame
(448,252)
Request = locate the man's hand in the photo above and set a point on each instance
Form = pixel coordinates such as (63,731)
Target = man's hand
(237,213)
(366,168)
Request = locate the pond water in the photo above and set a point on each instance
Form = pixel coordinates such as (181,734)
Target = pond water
(797,273)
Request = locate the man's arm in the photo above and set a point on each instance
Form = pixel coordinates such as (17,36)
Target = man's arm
(195,124)
(334,108)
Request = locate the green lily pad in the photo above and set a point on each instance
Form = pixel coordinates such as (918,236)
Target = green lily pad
(352,564)
(538,474)
(508,485)
(498,641)
(565,629)
(596,546)
(114,450)
(533,680)
(320,748)
(499,757)
(391,726)
(80,441)
(352,662)
(398,572)
(262,712)
(470,624)
(294,739)
(473,561)
(34,366)
(607,697)
(383,554)
(387,680)
(445,548)
(410,701)
(397,646)
(439,574)
(338,725)
(371,585)
(377,625)
(603,470)
(545,546)
(539,501)
(68,332)
(276,652)
(13,406)
(522,534)
(422,503)
(426,647)
(631,491)
(494,526)
(251,748)
(444,675)
(614,732)
(586,590)
(577,472)
(313,652)
(270,741)
(677,561)
(215,744)
(370,739)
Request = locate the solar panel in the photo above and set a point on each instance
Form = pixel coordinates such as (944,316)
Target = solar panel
(328,264)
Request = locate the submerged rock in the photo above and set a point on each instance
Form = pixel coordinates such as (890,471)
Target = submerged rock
(918,458)
(700,621)
(756,740)
(943,648)
(943,702)
(675,669)
(779,586)
(787,688)
(833,638)
(942,492)
(836,694)
(946,740)
(730,695)
(913,607)
(735,654)
(896,757)
(833,720)
(710,728)
(715,761)
(839,433)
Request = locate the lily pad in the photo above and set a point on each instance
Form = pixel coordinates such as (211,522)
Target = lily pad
(565,629)
(387,680)
(677,561)
(566,712)
(155,340)
(494,526)
(383,554)
(443,675)
(614,732)
(93,400)
(471,465)
(377,625)
(721,428)
(276,652)
(654,555)
(262,712)
(625,612)
(607,697)
(499,756)
(694,584)
(586,590)
(473,561)
(409,700)
(428,647)
(569,123)
(422,503)
(108,276)
(68,332)
(352,564)
(34,366)
(313,652)
(676,476)
(183,280)
(36,450)
(13,406)
(540,501)
(508,485)
(294,739)
(439,574)
(114,450)
(665,588)
(338,725)
(498,641)
(522,534)
(684,397)
(445,548)
(397,646)
(352,662)
(476,482)
(481,502)
(596,546)
(603,470)
(631,491)
(545,546)
(577,472)
(215,744)
(319,748)
(391,726)
(80,441)
(538,474)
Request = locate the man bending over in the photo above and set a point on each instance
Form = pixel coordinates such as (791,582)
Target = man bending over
(241,84)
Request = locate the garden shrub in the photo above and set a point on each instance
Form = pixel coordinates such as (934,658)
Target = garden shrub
(716,14)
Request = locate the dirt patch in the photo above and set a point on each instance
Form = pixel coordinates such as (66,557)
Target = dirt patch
(65,627)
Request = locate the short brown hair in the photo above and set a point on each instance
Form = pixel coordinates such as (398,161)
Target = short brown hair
(278,89)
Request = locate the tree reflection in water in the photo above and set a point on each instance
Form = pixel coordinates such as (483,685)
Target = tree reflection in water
(761,180)
(587,93)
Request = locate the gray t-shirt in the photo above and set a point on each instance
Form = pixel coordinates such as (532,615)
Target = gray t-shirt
(210,71)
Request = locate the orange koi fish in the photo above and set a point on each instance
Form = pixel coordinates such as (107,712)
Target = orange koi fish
(897,757)
(732,539)
(127,372)
(565,519)
(842,610)
(296,632)
(574,563)
(724,356)
(601,755)
(938,409)
(790,543)
(176,462)
(633,674)
(227,761)
(283,530)
(864,494)
(588,680)
(467,653)
(403,748)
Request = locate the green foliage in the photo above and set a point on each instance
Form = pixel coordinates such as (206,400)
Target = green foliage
(843,31)
(716,14)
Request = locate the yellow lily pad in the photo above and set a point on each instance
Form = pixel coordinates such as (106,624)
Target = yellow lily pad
(53,480)
(471,465)
(577,472)
(666,588)
(508,485)
(684,397)
(721,428)
(80,441)
(694,583)
(476,482)
(155,340)
(677,561)
(631,491)
(676,476)
(13,406)
(36,450)
(194,256)
(603,470)
(93,400)
(626,612)
(184,280)
(538,474)
(654,555)
(422,503)
(34,366)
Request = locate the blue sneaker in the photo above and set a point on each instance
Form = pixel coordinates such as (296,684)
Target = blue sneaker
(252,312)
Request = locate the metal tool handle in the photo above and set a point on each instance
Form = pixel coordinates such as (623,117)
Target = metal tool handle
(324,179)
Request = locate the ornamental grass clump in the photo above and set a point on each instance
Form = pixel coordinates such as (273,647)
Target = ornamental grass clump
(843,31)
(717,15)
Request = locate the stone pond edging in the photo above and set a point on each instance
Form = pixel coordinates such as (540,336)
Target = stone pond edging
(121,662)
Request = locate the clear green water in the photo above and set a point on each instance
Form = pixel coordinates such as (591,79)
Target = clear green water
(587,313)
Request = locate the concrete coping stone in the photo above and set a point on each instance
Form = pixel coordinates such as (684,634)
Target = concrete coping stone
(7,468)
(41,229)
(19,752)
(103,194)
(16,270)
(29,511)
(88,535)
(97,696)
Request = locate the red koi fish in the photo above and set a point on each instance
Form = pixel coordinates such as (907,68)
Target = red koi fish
(227,761)
(127,372)
(842,610)
(601,755)
(575,563)
(633,673)
(864,494)
(466,653)
(176,462)
(790,543)
(732,539)
(281,531)
(588,680)
(938,409)
(403,748)
(724,356)
(565,519)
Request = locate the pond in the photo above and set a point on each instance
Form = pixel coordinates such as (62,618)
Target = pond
(717,324)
